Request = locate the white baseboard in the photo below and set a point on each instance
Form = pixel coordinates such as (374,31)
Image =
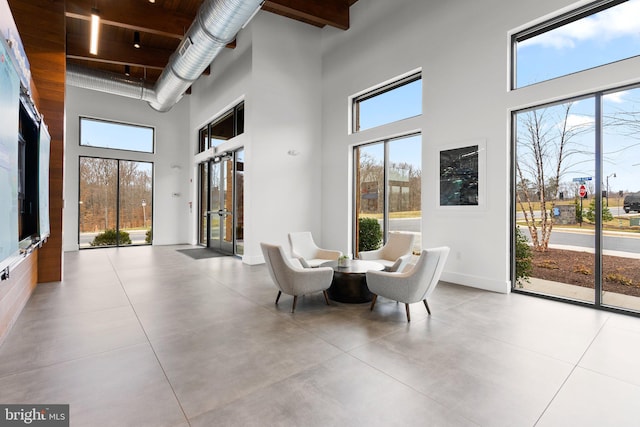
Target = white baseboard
(477,282)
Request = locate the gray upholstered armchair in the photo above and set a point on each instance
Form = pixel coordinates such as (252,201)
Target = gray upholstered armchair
(413,285)
(395,253)
(291,278)
(307,252)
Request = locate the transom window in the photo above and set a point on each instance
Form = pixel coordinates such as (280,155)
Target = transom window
(389,103)
(223,128)
(117,136)
(600,33)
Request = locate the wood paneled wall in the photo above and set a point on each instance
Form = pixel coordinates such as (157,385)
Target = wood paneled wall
(15,292)
(41,24)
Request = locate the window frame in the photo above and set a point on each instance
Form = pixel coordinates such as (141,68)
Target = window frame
(118,196)
(379,90)
(113,122)
(237,114)
(597,96)
(385,142)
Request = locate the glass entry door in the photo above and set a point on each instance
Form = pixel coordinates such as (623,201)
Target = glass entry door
(221,204)
(221,207)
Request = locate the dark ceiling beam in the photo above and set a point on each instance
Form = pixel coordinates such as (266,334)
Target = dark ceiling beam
(138,16)
(117,53)
(334,13)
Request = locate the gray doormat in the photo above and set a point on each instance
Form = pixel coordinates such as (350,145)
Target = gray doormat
(201,253)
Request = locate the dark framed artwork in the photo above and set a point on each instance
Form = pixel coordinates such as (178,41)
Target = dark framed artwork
(460,176)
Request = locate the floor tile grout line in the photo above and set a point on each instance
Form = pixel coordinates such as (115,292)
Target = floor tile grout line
(399,381)
(155,354)
(573,369)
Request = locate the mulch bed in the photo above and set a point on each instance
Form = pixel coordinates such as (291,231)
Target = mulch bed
(621,275)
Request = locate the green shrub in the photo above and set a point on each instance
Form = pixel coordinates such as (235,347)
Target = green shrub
(590,214)
(370,234)
(148,235)
(109,238)
(523,258)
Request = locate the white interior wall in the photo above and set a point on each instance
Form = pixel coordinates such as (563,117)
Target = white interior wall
(462,48)
(296,81)
(276,69)
(284,161)
(171,160)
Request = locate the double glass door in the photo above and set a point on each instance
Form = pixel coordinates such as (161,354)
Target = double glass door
(221,213)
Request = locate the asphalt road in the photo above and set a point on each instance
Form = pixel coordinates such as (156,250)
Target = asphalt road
(623,242)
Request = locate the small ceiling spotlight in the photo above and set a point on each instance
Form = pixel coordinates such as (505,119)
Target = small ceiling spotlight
(127,70)
(136,40)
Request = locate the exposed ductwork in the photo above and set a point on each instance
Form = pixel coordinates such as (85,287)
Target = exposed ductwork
(216,24)
(104,81)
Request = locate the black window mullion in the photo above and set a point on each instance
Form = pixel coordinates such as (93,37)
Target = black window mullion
(385,209)
(118,203)
(598,212)
(566,18)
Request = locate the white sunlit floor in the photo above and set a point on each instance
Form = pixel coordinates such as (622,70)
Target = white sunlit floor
(146,336)
(580,293)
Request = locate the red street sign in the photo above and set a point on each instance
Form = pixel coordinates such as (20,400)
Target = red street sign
(583,191)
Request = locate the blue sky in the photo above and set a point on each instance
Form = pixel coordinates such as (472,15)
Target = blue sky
(605,37)
(96,133)
(397,104)
(400,103)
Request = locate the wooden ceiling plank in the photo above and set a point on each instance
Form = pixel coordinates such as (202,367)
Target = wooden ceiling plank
(118,53)
(317,12)
(138,16)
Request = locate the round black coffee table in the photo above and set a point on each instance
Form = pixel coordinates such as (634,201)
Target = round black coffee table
(350,283)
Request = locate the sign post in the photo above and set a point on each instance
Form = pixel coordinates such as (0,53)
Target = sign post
(582,192)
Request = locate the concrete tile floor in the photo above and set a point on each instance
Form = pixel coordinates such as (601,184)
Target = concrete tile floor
(146,336)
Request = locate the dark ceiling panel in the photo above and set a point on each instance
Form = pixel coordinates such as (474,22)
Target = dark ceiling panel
(161,26)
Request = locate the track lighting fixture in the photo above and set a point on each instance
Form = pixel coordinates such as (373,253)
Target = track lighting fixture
(136,40)
(95,30)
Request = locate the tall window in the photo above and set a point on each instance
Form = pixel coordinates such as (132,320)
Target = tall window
(389,103)
(230,124)
(599,33)
(116,202)
(577,176)
(388,189)
(118,136)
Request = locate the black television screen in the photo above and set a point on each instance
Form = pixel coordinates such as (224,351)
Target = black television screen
(28,170)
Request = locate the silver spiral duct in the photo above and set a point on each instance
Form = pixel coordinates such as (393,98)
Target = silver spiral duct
(216,24)
(105,81)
